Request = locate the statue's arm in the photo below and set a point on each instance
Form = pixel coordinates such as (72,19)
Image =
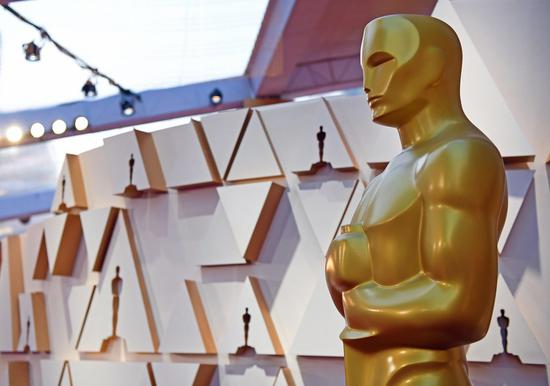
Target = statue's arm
(450,301)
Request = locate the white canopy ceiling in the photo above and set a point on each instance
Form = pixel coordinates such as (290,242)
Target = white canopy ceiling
(143,44)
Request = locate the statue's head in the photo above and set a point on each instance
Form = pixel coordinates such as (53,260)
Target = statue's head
(409,61)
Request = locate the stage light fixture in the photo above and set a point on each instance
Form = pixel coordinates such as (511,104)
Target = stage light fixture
(216,97)
(81,123)
(14,134)
(59,126)
(37,130)
(32,51)
(89,89)
(127,100)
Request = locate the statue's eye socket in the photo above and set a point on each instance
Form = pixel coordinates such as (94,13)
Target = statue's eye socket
(378,58)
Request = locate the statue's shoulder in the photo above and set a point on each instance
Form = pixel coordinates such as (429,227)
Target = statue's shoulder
(467,165)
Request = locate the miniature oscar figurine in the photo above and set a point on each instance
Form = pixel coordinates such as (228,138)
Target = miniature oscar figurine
(503,322)
(246,321)
(116,288)
(62,206)
(246,349)
(131,163)
(321,136)
(415,272)
(131,190)
(27,347)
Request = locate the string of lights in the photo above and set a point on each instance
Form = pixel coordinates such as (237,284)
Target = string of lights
(32,53)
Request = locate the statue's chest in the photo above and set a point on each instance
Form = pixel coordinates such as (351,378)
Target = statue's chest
(391,214)
(390,195)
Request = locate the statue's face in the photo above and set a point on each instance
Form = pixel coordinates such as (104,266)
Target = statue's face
(396,69)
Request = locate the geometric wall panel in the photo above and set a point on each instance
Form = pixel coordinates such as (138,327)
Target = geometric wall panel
(62,235)
(293,127)
(320,327)
(249,210)
(97,227)
(521,340)
(11,285)
(70,192)
(133,160)
(79,301)
(50,372)
(94,373)
(222,131)
(187,330)
(325,204)
(518,182)
(262,334)
(481,99)
(185,157)
(179,374)
(136,325)
(34,323)
(253,156)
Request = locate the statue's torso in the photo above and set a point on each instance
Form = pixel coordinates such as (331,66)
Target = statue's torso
(391,215)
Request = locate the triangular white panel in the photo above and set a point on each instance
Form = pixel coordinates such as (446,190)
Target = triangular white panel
(222,131)
(117,151)
(78,301)
(293,129)
(68,196)
(183,333)
(521,340)
(97,225)
(319,331)
(53,233)
(133,323)
(324,204)
(243,206)
(259,334)
(518,181)
(51,371)
(175,374)
(481,99)
(254,158)
(370,142)
(71,192)
(183,161)
(105,373)
(26,315)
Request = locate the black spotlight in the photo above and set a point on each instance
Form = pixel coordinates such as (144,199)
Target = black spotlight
(89,89)
(32,51)
(127,107)
(216,97)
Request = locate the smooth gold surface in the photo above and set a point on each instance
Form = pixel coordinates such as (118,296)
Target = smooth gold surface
(415,273)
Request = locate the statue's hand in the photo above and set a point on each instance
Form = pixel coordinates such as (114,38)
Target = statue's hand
(348,261)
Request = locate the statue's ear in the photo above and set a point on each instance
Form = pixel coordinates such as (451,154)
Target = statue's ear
(435,58)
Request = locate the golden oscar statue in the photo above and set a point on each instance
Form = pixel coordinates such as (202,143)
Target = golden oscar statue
(415,272)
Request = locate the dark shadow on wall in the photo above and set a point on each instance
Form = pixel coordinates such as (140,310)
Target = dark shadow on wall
(522,248)
(317,371)
(507,370)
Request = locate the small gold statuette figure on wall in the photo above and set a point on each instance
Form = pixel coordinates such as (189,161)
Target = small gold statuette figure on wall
(415,273)
(246,349)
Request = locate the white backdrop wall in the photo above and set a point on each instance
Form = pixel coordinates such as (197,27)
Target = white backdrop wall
(182,252)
